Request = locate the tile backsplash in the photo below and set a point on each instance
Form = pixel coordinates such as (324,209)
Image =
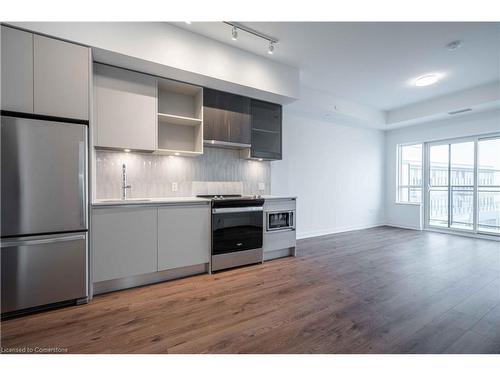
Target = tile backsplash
(217,171)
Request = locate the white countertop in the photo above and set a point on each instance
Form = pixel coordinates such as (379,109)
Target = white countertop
(269,197)
(169,200)
(143,201)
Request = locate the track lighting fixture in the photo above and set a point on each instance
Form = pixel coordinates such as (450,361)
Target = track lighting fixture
(239,27)
(234,33)
(271,48)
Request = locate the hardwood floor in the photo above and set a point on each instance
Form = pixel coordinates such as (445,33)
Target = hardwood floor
(380,290)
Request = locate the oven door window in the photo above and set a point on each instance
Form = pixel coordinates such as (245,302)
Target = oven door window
(236,231)
(279,220)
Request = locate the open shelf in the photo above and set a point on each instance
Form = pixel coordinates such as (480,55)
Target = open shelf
(179,137)
(179,99)
(180,118)
(177,152)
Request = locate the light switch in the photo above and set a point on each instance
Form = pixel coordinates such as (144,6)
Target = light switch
(175,187)
(262,186)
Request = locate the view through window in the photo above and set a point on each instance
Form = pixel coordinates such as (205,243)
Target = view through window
(452,185)
(410,173)
(438,185)
(488,184)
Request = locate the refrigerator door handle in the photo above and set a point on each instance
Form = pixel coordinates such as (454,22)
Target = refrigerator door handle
(81,182)
(42,241)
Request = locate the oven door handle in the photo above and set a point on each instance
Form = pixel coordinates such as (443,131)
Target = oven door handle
(227,210)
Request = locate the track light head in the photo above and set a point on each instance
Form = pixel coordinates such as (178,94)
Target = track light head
(271,48)
(234,34)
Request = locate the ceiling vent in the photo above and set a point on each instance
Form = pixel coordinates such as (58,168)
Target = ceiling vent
(460,111)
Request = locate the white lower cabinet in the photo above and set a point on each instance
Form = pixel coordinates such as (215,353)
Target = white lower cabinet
(124,242)
(131,241)
(183,236)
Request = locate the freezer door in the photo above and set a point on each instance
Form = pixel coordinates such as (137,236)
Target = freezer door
(43,176)
(42,270)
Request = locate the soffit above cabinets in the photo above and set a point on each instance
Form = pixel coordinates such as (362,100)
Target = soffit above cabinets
(165,50)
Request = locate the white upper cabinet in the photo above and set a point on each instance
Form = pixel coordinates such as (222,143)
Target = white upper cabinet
(17,70)
(61,78)
(125,108)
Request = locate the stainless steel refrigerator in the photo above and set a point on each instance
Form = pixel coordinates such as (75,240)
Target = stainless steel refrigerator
(43,212)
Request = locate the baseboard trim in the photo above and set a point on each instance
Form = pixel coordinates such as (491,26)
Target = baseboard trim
(281,253)
(149,278)
(481,236)
(413,227)
(325,232)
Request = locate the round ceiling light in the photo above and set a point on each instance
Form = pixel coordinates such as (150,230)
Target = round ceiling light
(427,80)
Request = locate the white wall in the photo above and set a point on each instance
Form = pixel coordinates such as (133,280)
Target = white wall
(335,170)
(410,216)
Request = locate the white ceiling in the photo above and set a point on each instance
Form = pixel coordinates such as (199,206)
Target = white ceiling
(373,63)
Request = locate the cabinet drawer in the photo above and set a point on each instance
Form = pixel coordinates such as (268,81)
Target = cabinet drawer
(41,270)
(279,240)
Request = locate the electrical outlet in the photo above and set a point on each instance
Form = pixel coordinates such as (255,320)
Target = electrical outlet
(175,187)
(262,186)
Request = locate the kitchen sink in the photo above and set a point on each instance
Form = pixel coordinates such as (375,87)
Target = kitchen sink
(132,200)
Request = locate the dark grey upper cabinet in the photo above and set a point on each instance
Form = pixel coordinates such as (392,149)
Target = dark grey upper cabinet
(226,117)
(266,130)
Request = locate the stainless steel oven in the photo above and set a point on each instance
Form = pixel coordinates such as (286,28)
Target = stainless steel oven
(237,232)
(280,220)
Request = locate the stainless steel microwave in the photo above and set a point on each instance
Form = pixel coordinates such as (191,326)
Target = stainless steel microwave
(280,220)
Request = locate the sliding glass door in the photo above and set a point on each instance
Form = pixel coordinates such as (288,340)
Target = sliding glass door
(488,185)
(463,185)
(439,162)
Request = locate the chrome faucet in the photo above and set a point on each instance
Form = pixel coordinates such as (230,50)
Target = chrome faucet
(124,182)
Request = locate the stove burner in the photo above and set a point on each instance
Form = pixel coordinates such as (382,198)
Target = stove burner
(229,196)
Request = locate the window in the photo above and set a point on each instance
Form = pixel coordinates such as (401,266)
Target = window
(409,173)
